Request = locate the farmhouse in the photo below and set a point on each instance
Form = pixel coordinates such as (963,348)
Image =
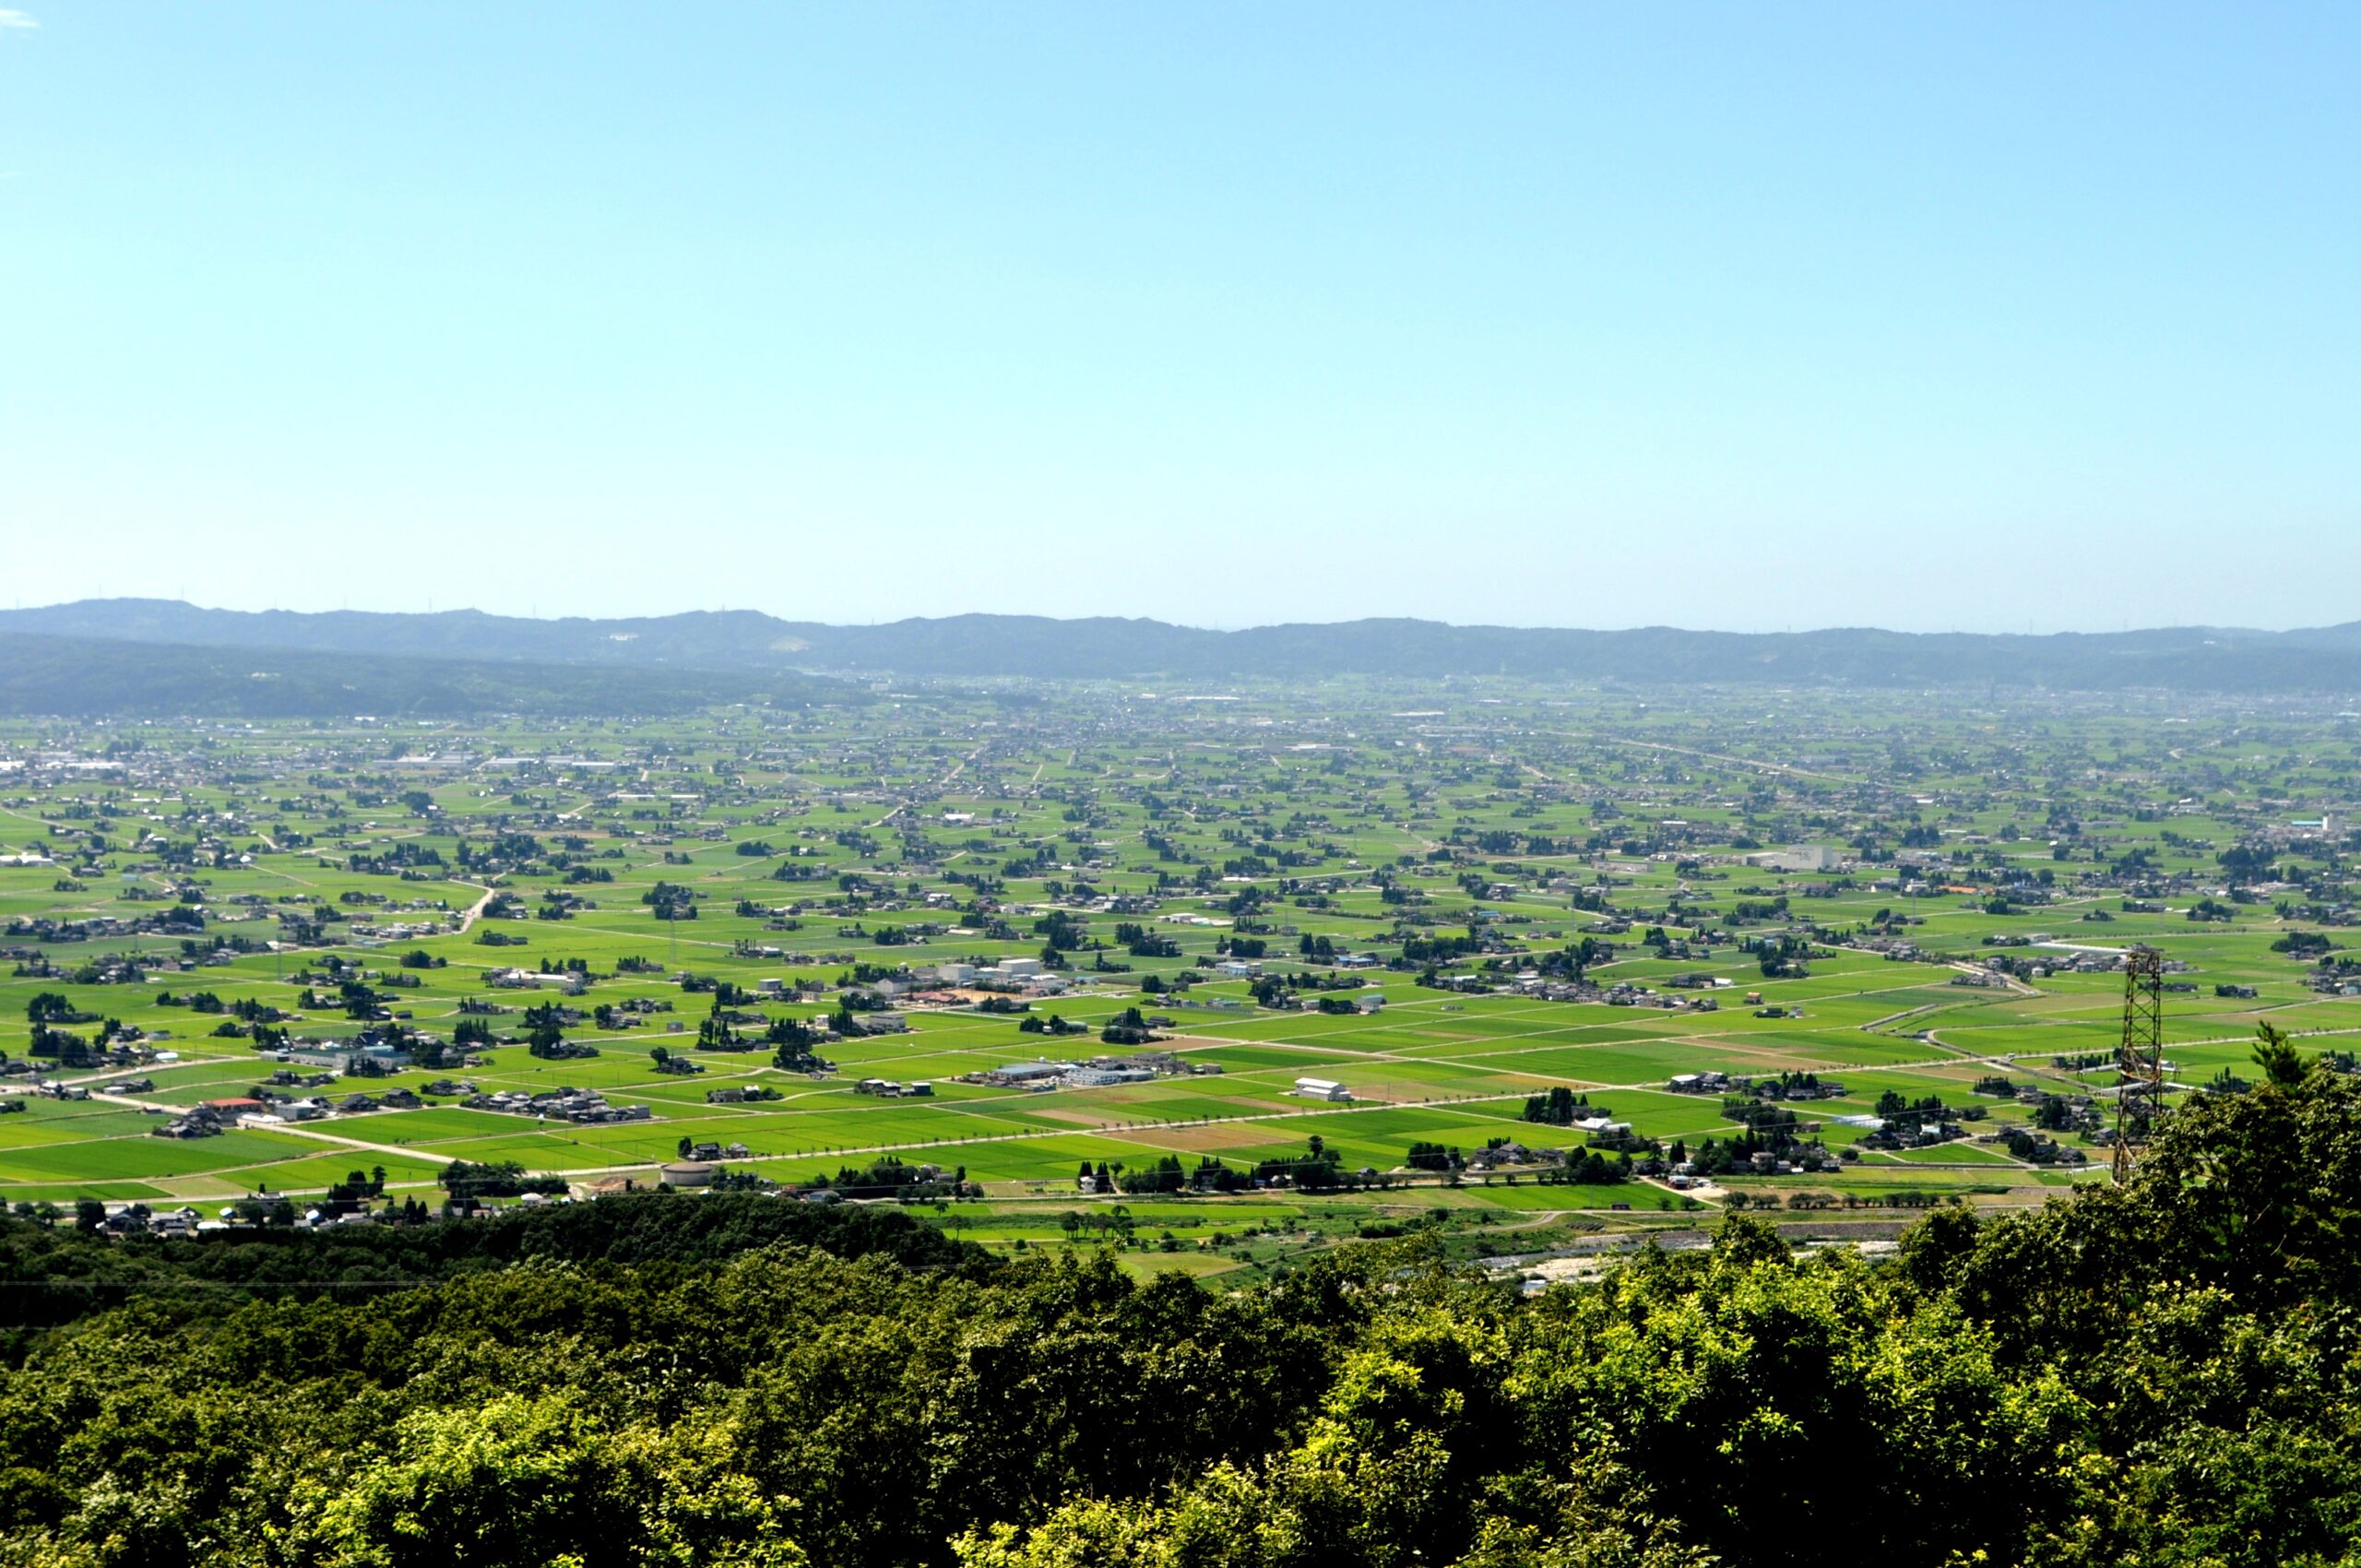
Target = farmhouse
(1798,857)
(565,1104)
(1102,1077)
(567,982)
(1323,1088)
(1028,1074)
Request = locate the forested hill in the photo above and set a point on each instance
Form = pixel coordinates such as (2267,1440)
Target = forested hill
(2166,1375)
(2192,658)
(52,674)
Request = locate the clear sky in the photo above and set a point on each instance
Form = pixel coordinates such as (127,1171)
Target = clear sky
(1989,317)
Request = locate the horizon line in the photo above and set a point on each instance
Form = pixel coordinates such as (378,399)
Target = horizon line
(871,624)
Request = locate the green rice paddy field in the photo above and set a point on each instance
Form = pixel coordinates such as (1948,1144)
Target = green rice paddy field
(823,850)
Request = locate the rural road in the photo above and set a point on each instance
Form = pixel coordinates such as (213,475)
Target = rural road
(473,912)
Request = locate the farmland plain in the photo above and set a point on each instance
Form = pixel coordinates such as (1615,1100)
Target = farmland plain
(1449,903)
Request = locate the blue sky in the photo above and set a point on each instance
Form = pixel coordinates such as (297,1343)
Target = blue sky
(1983,316)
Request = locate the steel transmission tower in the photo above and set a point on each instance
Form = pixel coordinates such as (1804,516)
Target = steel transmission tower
(2139,1059)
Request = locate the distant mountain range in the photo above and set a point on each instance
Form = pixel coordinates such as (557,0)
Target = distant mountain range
(700,655)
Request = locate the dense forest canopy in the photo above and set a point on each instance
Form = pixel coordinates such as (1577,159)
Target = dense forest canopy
(2159,1374)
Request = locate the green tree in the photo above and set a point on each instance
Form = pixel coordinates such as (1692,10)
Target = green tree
(2281,1062)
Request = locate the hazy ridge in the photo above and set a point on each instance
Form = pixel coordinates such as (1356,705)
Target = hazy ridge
(413,661)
